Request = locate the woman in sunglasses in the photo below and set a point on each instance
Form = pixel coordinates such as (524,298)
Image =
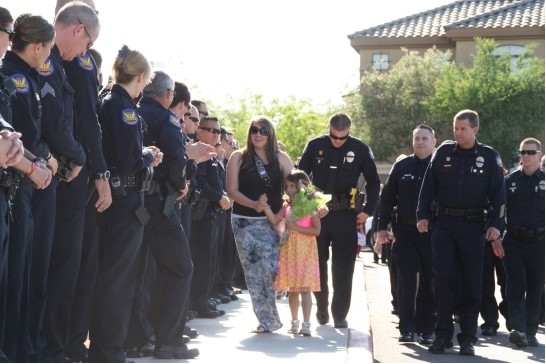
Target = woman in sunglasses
(257,169)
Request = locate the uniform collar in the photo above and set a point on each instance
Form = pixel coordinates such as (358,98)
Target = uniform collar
(538,174)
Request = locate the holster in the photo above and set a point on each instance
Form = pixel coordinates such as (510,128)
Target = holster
(64,168)
(144,179)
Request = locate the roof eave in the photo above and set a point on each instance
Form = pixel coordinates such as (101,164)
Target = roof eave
(391,42)
(507,32)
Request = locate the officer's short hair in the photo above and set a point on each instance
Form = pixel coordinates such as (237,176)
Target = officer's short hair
(470,115)
(96,56)
(5,17)
(182,94)
(161,82)
(340,121)
(30,28)
(426,127)
(532,141)
(78,12)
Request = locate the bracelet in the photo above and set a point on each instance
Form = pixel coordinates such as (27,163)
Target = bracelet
(48,157)
(32,169)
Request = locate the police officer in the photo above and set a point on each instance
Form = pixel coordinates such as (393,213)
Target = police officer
(71,198)
(523,244)
(213,201)
(465,178)
(121,225)
(164,234)
(411,252)
(335,162)
(22,109)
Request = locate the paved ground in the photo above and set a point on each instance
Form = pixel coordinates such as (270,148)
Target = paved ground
(372,335)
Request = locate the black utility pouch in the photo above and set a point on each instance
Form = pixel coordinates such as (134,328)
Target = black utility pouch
(199,209)
(116,184)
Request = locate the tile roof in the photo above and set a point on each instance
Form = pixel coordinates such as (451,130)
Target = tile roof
(461,14)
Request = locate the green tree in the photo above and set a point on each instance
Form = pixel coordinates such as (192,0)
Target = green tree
(508,96)
(393,101)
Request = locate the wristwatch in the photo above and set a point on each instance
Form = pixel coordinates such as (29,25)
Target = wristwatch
(105,176)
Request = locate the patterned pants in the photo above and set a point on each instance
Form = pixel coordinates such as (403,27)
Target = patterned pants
(258,246)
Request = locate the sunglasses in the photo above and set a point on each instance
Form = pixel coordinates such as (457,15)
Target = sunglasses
(338,138)
(211,130)
(255,130)
(11,33)
(204,113)
(529,152)
(194,119)
(174,92)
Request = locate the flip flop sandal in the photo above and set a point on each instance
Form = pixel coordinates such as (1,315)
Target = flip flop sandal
(261,330)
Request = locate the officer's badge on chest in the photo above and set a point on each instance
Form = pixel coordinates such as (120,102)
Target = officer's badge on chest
(319,158)
(447,163)
(478,168)
(541,185)
(349,157)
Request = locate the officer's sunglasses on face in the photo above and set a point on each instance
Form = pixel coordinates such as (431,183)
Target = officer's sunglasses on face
(11,33)
(211,130)
(338,138)
(529,152)
(262,131)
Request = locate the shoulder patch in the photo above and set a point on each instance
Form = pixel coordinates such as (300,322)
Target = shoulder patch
(499,161)
(46,68)
(129,116)
(85,62)
(21,83)
(173,119)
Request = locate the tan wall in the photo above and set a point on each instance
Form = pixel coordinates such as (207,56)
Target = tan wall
(466,49)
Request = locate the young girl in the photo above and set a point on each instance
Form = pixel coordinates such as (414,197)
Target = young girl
(298,272)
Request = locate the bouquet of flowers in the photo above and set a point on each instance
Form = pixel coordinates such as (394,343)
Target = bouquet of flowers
(306,201)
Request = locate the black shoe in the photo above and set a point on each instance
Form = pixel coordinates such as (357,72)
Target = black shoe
(175,352)
(489,331)
(518,338)
(532,341)
(80,357)
(341,324)
(467,349)
(133,352)
(208,313)
(323,317)
(406,337)
(439,346)
(222,297)
(425,339)
(221,312)
(191,333)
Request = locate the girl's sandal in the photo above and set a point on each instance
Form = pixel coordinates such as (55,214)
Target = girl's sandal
(261,330)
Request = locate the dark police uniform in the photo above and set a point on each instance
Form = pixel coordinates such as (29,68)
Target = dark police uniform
(468,185)
(24,112)
(411,252)
(66,255)
(121,230)
(523,244)
(204,237)
(164,234)
(58,131)
(335,171)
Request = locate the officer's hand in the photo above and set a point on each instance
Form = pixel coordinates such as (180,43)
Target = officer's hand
(41,177)
(182,193)
(497,248)
(362,216)
(52,165)
(422,225)
(105,195)
(75,171)
(16,149)
(492,233)
(225,203)
(382,237)
(322,211)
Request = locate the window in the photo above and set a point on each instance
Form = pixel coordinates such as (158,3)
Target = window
(380,61)
(513,51)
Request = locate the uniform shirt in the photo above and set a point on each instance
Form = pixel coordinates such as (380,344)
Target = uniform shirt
(163,131)
(464,179)
(58,109)
(402,190)
(352,158)
(82,74)
(122,133)
(209,181)
(525,199)
(25,109)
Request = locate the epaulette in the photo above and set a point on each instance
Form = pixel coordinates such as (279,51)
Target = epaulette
(449,142)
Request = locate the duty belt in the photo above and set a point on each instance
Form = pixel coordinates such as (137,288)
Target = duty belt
(339,202)
(129,181)
(521,232)
(473,214)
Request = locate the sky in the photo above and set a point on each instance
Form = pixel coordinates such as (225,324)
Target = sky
(229,49)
